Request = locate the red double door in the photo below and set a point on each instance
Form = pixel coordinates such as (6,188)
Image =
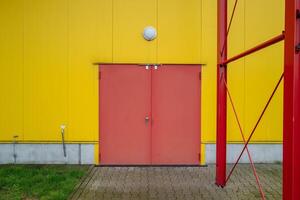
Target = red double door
(149,115)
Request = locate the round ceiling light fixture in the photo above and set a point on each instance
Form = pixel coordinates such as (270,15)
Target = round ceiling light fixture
(149,33)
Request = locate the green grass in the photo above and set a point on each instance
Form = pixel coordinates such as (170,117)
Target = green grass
(43,182)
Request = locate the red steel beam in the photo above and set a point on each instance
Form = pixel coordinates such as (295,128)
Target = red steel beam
(221,94)
(291,121)
(230,22)
(255,49)
(255,126)
(244,140)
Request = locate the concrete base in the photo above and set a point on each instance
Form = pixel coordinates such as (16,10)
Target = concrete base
(84,153)
(46,154)
(260,153)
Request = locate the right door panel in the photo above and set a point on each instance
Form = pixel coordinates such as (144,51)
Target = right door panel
(176,114)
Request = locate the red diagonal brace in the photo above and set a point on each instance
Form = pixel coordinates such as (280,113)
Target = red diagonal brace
(229,26)
(253,130)
(244,140)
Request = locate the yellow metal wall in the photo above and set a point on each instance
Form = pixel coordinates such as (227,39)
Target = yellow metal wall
(48,47)
(47,77)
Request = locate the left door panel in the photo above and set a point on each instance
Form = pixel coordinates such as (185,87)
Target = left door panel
(125,131)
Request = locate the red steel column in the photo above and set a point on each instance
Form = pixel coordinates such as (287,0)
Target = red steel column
(291,124)
(221,94)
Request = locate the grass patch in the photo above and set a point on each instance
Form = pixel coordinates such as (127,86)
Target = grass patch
(44,182)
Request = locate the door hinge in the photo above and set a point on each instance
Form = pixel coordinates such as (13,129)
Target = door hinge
(99,76)
(199,157)
(297,48)
(199,75)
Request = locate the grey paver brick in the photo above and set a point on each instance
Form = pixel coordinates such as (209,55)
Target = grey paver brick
(179,183)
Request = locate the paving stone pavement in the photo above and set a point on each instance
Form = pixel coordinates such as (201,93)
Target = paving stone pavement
(178,183)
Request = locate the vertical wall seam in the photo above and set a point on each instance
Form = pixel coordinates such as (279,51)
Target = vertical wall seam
(23,69)
(201,29)
(68,71)
(244,61)
(202,146)
(112,30)
(157,29)
(79,154)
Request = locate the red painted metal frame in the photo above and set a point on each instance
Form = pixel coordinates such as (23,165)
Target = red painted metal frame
(244,140)
(221,94)
(291,121)
(230,22)
(256,48)
(255,126)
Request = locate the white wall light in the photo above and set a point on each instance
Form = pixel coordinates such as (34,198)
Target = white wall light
(149,33)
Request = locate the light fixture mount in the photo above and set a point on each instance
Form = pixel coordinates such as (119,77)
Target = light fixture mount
(149,33)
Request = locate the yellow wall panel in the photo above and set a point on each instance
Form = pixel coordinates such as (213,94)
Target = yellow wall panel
(45,68)
(11,69)
(129,20)
(208,95)
(263,69)
(90,40)
(236,85)
(236,72)
(179,31)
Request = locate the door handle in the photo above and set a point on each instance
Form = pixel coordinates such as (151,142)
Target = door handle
(147,119)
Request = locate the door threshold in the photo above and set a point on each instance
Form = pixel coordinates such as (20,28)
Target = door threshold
(173,165)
